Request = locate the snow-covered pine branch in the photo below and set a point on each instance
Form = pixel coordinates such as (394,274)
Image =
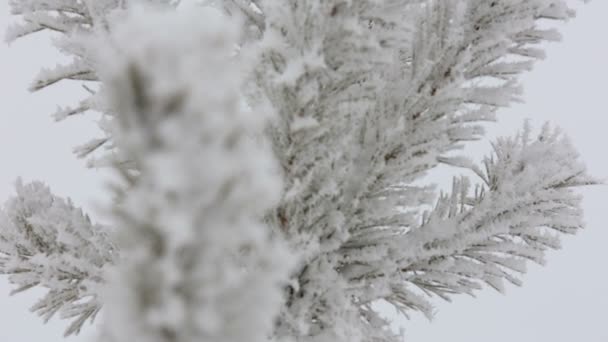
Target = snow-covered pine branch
(482,237)
(371,95)
(197,262)
(47,242)
(74,23)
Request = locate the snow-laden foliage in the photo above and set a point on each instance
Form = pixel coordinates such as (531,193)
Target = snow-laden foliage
(197,262)
(370,95)
(74,23)
(45,241)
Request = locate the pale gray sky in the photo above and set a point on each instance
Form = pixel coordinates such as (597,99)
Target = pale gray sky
(562,302)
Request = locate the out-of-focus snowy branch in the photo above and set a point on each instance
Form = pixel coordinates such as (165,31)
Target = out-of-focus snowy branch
(198,264)
(74,23)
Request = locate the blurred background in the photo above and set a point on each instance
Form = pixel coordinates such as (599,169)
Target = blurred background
(562,302)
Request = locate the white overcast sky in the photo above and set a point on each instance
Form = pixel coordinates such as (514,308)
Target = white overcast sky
(563,302)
